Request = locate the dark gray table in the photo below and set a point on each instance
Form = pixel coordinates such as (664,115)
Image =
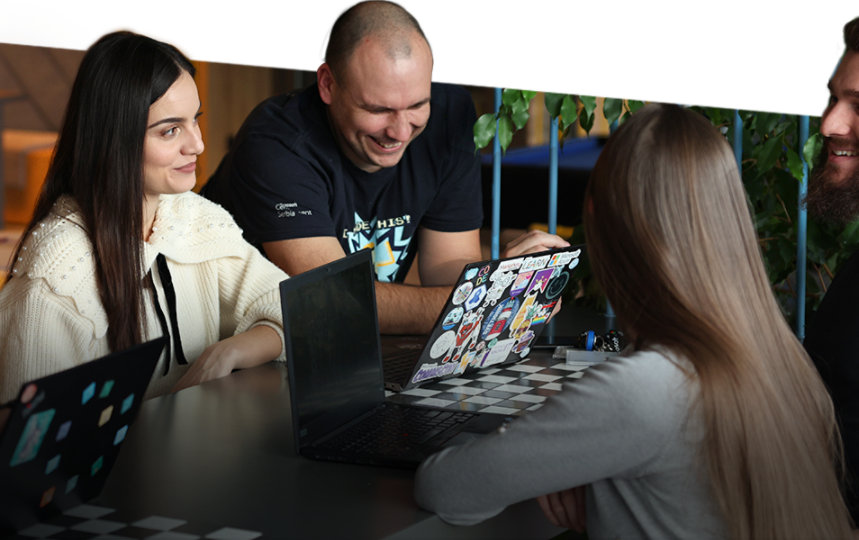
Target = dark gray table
(222,454)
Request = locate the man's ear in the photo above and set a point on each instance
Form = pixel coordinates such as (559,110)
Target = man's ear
(325,82)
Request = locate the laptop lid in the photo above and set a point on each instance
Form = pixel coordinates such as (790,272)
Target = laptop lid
(331,339)
(494,314)
(64,433)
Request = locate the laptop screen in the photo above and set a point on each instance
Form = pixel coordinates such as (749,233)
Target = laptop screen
(332,345)
(65,431)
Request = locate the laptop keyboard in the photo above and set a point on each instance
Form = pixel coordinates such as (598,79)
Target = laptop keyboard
(397,430)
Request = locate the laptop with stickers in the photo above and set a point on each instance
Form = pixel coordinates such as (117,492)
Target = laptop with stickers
(337,391)
(63,434)
(493,317)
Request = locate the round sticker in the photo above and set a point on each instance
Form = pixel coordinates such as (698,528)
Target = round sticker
(461,293)
(452,318)
(470,273)
(556,286)
(574,263)
(443,344)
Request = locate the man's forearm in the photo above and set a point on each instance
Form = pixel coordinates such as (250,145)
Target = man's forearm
(409,309)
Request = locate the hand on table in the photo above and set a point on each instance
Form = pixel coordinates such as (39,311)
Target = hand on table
(251,348)
(532,242)
(565,508)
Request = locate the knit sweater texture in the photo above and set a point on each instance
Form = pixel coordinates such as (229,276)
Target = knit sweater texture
(51,316)
(627,430)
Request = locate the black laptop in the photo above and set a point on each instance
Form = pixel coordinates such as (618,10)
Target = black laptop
(337,390)
(493,317)
(64,432)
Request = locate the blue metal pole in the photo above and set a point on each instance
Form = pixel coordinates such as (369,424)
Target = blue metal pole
(738,141)
(553,176)
(801,235)
(496,183)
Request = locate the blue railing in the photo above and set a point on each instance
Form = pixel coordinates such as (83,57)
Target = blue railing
(802,230)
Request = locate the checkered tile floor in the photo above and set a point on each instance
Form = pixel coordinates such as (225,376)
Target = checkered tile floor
(89,521)
(509,390)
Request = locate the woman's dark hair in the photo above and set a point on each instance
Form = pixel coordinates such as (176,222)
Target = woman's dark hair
(98,161)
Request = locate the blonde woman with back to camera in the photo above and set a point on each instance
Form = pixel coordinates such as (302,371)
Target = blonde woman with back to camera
(712,423)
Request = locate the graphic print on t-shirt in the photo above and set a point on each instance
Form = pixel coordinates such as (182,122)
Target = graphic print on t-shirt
(385,238)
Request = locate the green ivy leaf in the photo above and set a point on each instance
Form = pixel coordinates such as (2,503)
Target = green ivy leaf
(484,130)
(634,105)
(505,132)
(612,109)
(586,121)
(509,96)
(529,95)
(553,103)
(520,118)
(589,103)
(568,112)
(794,164)
(811,149)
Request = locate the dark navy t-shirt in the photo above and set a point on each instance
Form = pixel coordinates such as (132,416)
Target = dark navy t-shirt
(285,178)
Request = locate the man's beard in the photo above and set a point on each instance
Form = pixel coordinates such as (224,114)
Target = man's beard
(830,201)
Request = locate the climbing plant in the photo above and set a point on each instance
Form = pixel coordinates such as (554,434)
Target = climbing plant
(772,169)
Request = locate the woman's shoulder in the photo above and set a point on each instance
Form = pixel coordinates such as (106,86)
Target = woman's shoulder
(191,228)
(56,263)
(645,382)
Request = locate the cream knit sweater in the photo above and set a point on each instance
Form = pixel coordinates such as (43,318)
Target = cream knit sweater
(51,317)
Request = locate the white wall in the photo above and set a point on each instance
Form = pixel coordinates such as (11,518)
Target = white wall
(763,55)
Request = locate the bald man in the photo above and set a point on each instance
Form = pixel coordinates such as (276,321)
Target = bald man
(373,155)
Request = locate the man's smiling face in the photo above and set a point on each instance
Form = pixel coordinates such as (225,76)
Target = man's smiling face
(380,103)
(834,188)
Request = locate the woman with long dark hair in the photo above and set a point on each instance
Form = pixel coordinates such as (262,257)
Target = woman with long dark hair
(119,249)
(713,423)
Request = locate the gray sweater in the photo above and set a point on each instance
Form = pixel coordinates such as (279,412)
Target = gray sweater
(624,429)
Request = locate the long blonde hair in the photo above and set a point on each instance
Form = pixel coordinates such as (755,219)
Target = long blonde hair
(671,241)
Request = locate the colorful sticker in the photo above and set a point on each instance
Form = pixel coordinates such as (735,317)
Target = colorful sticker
(452,318)
(541,279)
(574,263)
(431,371)
(511,265)
(523,342)
(560,259)
(31,439)
(88,393)
(64,429)
(499,317)
(465,361)
(47,497)
(521,283)
(105,415)
(52,464)
(120,435)
(499,352)
(28,393)
(476,297)
(557,285)
(470,273)
(462,292)
(442,344)
(535,263)
(527,312)
(126,404)
(465,336)
(543,313)
(500,281)
(71,484)
(105,389)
